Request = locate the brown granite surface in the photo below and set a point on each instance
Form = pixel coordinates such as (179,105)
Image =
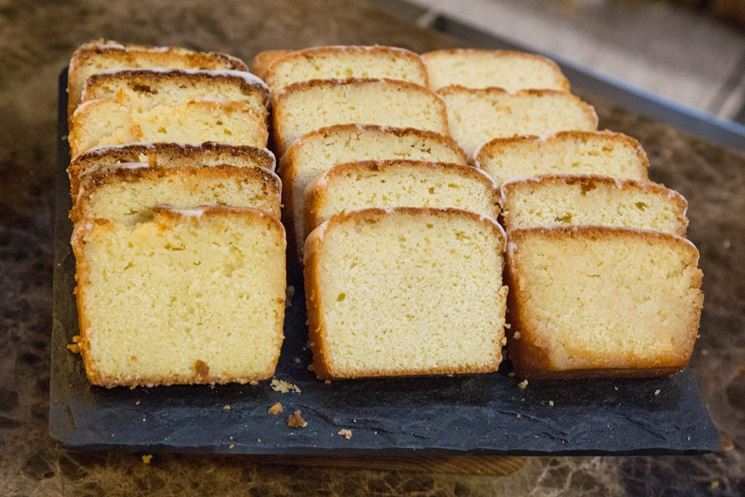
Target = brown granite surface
(36,38)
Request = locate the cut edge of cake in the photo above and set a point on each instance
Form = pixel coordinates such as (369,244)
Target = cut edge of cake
(589,183)
(532,362)
(322,365)
(166,214)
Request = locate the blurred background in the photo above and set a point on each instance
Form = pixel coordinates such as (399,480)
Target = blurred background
(690,52)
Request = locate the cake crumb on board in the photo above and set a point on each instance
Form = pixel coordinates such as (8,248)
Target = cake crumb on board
(295,420)
(283,386)
(523,385)
(346,433)
(147,458)
(275,409)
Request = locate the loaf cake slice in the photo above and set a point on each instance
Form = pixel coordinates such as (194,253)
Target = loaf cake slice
(569,152)
(101,55)
(304,107)
(163,155)
(320,150)
(262,61)
(127,194)
(477,68)
(405,292)
(102,122)
(592,200)
(599,301)
(345,62)
(479,115)
(152,87)
(187,297)
(399,183)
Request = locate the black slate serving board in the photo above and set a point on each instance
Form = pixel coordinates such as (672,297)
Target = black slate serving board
(474,414)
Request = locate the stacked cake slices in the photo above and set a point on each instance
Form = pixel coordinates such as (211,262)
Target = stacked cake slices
(403,254)
(179,248)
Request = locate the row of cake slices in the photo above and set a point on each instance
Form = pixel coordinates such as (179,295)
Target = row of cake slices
(601,280)
(180,252)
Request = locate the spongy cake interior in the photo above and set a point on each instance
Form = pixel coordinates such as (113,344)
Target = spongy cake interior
(346,63)
(362,185)
(615,299)
(188,299)
(306,107)
(127,196)
(582,153)
(434,283)
(477,116)
(572,200)
(482,69)
(99,123)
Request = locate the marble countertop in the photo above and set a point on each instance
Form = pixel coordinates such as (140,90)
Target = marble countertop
(36,39)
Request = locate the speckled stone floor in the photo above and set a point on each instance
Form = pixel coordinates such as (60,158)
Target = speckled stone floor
(36,40)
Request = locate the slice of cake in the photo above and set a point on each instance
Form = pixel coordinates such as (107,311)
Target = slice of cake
(127,194)
(304,107)
(570,152)
(102,55)
(405,292)
(262,61)
(164,155)
(101,122)
(592,200)
(598,301)
(399,183)
(477,116)
(152,87)
(319,151)
(187,297)
(476,68)
(346,62)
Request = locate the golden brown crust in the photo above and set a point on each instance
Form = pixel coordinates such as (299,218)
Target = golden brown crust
(501,54)
(262,61)
(493,147)
(97,158)
(144,77)
(592,181)
(271,184)
(587,109)
(322,366)
(532,361)
(316,192)
(279,97)
(164,216)
(308,53)
(127,52)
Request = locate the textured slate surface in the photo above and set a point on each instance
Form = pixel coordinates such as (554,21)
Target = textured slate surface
(478,414)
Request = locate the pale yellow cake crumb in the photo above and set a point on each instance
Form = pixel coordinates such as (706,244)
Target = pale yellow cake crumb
(283,386)
(346,433)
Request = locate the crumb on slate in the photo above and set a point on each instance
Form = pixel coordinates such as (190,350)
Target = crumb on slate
(714,484)
(518,415)
(275,409)
(551,403)
(523,385)
(297,360)
(657,392)
(226,407)
(295,420)
(327,382)
(310,367)
(511,374)
(231,446)
(283,386)
(138,402)
(346,433)
(147,458)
